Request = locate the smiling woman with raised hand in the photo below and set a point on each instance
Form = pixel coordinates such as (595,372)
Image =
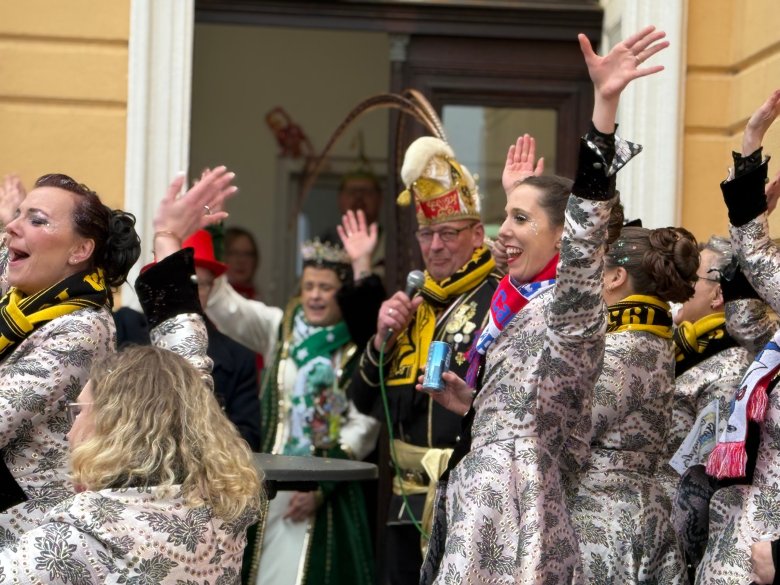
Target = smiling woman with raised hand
(536,362)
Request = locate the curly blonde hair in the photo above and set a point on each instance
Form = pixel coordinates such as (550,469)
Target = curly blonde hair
(157,423)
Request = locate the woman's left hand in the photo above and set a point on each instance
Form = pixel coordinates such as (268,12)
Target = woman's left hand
(456,397)
(613,72)
(178,217)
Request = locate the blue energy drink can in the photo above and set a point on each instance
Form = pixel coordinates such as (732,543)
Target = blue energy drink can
(439,355)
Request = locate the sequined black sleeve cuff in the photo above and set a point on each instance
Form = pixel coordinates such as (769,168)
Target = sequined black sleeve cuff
(592,179)
(604,142)
(744,195)
(169,288)
(745,164)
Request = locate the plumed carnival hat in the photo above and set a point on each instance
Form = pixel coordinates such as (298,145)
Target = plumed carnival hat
(326,255)
(442,188)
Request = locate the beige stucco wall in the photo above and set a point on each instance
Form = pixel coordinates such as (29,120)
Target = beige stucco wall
(63,91)
(733,63)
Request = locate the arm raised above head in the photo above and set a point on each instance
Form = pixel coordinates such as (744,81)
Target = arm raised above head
(612,73)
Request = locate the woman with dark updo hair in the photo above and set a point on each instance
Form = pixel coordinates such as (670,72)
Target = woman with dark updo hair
(620,511)
(63,251)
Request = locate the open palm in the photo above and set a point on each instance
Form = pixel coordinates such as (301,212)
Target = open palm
(612,73)
(521,162)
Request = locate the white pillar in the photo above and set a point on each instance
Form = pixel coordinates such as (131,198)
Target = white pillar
(651,111)
(158,111)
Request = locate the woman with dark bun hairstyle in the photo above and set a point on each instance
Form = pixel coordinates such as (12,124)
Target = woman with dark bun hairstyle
(63,252)
(620,511)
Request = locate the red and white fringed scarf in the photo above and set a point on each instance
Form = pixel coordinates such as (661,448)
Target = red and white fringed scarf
(729,458)
(508,301)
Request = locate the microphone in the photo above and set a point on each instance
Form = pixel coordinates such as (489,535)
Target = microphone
(414,282)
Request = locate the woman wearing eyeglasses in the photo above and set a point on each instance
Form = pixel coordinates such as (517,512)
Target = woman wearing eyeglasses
(165,486)
(63,252)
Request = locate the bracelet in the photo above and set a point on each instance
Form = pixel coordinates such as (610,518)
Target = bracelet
(166,233)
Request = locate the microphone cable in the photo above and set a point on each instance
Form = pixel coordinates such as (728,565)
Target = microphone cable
(393,458)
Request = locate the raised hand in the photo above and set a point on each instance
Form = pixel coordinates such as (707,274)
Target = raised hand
(12,193)
(759,123)
(178,217)
(612,73)
(358,239)
(520,162)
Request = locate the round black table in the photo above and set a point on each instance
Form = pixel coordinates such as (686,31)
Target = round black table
(301,474)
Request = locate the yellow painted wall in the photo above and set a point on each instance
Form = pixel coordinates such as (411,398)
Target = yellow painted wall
(733,64)
(63,91)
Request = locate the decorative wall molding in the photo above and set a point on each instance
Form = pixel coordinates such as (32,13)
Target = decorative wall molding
(158,111)
(651,112)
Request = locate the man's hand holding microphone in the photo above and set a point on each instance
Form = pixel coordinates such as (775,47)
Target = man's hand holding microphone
(396,313)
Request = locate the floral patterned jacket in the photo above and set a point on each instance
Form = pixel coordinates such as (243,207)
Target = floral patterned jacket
(136,536)
(43,373)
(132,536)
(740,515)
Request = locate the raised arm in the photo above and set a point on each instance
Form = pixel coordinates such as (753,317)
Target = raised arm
(578,309)
(360,300)
(746,198)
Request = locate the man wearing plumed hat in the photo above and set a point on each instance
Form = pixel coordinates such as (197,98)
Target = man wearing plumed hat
(452,306)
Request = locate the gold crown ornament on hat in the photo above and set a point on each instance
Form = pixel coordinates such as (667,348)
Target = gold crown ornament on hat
(315,252)
(319,254)
(442,188)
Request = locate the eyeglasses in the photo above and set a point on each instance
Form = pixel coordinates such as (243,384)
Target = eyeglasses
(447,235)
(73,409)
(716,278)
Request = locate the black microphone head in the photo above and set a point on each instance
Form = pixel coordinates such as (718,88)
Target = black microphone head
(414,282)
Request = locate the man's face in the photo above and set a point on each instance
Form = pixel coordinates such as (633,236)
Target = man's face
(361,193)
(447,247)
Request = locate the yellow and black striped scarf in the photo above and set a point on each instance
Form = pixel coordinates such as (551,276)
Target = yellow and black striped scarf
(20,315)
(640,313)
(413,343)
(695,342)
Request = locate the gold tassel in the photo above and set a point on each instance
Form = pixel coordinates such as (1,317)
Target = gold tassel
(404,198)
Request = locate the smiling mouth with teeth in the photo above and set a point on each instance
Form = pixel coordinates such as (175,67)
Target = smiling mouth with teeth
(513,253)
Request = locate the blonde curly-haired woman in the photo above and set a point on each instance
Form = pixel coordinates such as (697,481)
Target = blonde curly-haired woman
(165,485)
